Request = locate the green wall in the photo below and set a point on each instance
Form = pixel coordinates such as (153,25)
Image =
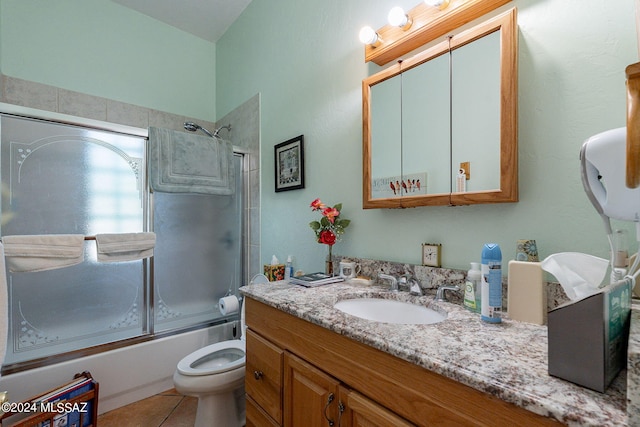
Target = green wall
(101,48)
(307,63)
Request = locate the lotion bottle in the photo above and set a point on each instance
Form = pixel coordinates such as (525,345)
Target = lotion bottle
(472,288)
(491,298)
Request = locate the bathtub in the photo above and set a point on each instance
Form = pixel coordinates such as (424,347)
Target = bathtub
(125,375)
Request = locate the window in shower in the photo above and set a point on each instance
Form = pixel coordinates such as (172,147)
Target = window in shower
(63,179)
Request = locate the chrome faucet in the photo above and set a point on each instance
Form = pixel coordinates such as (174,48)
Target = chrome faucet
(392,279)
(412,283)
(441,296)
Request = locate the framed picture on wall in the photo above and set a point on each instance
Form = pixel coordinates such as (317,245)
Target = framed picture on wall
(289,164)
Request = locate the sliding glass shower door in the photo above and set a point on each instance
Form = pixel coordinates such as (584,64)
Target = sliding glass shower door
(64,179)
(198,256)
(60,179)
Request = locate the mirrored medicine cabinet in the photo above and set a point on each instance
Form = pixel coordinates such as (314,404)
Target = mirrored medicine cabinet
(453,103)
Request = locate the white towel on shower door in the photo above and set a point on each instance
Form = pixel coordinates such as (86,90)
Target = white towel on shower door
(40,252)
(119,247)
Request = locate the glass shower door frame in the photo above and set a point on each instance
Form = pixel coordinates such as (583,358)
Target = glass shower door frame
(148,329)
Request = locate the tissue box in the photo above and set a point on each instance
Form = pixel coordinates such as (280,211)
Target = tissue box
(274,272)
(588,338)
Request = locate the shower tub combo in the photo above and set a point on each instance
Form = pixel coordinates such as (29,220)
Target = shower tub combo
(128,323)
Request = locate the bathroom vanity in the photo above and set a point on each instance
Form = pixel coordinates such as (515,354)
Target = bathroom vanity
(304,356)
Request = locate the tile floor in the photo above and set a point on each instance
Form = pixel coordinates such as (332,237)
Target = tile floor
(168,409)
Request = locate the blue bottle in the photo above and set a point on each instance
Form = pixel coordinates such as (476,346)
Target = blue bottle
(491,285)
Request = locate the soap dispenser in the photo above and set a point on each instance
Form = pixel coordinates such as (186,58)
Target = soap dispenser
(472,289)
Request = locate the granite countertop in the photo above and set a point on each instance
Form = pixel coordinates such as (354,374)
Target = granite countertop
(507,360)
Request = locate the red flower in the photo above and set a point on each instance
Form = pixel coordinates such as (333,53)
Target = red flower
(331,214)
(327,237)
(317,204)
(330,226)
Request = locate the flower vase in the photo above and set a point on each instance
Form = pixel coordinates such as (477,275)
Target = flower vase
(328,269)
(328,264)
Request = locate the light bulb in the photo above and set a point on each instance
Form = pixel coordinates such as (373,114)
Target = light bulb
(369,36)
(398,18)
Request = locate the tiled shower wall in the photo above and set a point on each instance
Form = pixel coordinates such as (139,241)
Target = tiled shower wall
(244,121)
(245,132)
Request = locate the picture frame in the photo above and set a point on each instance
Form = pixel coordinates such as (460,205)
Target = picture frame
(289,164)
(432,254)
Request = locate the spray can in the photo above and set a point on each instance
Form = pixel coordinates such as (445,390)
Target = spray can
(491,300)
(288,269)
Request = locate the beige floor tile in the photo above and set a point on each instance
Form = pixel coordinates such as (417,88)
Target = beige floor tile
(184,415)
(150,412)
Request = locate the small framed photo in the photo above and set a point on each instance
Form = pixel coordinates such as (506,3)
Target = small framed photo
(432,254)
(289,164)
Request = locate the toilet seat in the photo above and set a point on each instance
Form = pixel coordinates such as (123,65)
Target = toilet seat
(214,359)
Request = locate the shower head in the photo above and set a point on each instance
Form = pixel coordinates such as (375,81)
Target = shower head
(192,127)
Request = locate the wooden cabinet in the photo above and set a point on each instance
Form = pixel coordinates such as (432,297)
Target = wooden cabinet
(256,416)
(369,387)
(310,395)
(263,379)
(362,412)
(312,398)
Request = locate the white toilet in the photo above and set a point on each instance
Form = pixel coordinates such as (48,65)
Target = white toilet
(215,375)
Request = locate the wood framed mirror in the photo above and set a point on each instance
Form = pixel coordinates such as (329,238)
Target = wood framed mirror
(453,103)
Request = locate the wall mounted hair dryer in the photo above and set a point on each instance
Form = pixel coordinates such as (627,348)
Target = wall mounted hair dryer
(602,166)
(602,161)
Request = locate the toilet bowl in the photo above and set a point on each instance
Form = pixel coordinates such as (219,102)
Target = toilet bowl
(215,375)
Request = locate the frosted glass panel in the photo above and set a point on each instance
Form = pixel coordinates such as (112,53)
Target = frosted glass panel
(65,179)
(60,179)
(68,309)
(198,256)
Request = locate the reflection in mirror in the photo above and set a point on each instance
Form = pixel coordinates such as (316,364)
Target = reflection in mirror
(425,127)
(475,115)
(386,126)
(454,102)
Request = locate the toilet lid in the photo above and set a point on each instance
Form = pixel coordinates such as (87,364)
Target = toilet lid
(213,359)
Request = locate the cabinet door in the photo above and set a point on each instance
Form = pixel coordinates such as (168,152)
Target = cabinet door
(256,416)
(310,395)
(362,412)
(263,379)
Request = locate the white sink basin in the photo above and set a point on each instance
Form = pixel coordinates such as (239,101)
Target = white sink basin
(389,311)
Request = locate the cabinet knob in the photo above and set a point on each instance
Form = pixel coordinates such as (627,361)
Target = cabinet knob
(258,374)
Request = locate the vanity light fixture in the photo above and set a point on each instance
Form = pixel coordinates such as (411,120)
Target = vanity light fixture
(440,4)
(368,36)
(427,21)
(398,18)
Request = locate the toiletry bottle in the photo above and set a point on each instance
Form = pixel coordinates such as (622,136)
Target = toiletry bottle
(461,181)
(472,288)
(491,298)
(288,269)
